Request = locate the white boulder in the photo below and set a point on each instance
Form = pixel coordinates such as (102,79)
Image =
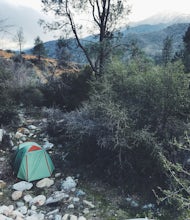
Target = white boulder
(23,185)
(46,182)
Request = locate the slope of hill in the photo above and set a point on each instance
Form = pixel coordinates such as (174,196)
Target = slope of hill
(149,35)
(43,69)
(152,42)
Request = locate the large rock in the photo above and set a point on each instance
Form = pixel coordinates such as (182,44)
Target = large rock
(46,182)
(69,184)
(56,197)
(73,217)
(3,217)
(16,195)
(28,198)
(2,132)
(23,210)
(23,185)
(38,200)
(39,216)
(6,210)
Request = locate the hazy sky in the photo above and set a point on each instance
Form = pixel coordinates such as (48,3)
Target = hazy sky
(142,9)
(26,13)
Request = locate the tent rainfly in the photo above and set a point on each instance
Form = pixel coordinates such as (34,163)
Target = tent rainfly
(32,162)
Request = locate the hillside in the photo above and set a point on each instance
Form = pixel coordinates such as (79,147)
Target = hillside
(42,70)
(149,38)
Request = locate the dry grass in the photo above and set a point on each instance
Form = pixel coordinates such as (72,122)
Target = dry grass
(50,64)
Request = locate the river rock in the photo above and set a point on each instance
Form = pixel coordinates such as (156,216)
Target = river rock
(73,217)
(38,200)
(86,211)
(16,195)
(58,217)
(32,127)
(71,206)
(6,210)
(22,209)
(57,175)
(56,197)
(16,214)
(81,218)
(47,145)
(19,135)
(38,216)
(28,198)
(46,182)
(2,184)
(69,184)
(2,132)
(3,217)
(19,204)
(23,185)
(89,204)
(65,217)
(23,131)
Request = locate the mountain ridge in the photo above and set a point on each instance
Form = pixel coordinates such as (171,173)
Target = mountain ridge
(149,35)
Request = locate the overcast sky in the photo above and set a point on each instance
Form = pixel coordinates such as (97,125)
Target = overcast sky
(26,13)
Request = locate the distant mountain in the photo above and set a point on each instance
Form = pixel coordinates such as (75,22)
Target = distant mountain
(151,42)
(149,35)
(168,18)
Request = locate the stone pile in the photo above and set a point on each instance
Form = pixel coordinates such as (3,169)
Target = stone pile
(69,201)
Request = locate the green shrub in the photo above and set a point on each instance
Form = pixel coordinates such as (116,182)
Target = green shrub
(7,107)
(125,132)
(31,96)
(67,91)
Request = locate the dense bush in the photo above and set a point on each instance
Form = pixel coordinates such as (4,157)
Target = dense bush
(67,91)
(126,131)
(7,107)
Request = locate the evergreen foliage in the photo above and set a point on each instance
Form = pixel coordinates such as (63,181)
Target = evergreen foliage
(39,48)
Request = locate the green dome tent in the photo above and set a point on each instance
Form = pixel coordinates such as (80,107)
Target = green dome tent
(31,162)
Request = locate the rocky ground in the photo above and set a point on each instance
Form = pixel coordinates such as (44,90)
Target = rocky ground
(64,195)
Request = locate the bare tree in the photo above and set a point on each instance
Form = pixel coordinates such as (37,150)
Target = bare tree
(19,38)
(104,16)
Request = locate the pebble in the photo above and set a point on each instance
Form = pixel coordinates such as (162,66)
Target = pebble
(71,206)
(2,184)
(81,218)
(27,198)
(16,195)
(92,206)
(73,217)
(65,217)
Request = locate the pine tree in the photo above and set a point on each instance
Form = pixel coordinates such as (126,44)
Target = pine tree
(39,48)
(186,57)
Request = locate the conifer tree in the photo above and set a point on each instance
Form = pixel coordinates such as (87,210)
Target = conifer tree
(39,48)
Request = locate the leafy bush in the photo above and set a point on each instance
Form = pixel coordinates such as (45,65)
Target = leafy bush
(7,107)
(31,96)
(68,91)
(125,132)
